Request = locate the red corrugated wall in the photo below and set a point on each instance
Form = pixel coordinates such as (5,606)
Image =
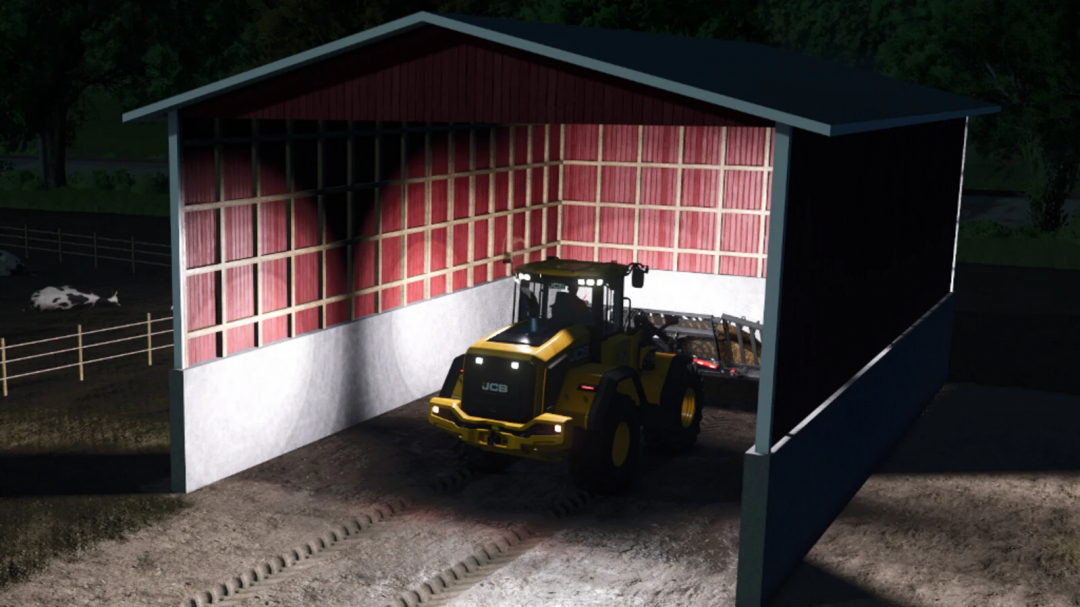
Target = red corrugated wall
(691,198)
(446,207)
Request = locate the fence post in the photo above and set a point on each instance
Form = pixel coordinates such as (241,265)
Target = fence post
(3,363)
(26,240)
(132,254)
(80,354)
(149,343)
(59,247)
(95,249)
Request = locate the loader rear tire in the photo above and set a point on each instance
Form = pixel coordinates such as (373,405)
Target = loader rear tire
(605,459)
(675,425)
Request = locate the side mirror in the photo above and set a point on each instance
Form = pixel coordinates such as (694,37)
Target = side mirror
(637,278)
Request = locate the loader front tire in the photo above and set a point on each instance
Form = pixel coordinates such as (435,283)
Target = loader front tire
(606,458)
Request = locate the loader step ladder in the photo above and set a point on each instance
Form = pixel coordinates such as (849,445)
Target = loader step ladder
(714,339)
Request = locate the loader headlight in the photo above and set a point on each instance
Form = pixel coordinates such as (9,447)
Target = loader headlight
(479,360)
(435,409)
(558,429)
(514,365)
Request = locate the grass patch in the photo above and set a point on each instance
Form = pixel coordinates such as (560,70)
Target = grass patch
(87,201)
(105,135)
(991,243)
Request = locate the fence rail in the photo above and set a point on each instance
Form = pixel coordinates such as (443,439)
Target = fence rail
(81,348)
(85,245)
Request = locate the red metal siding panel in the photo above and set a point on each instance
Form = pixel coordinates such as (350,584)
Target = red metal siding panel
(416,208)
(480,239)
(438,285)
(271,168)
(273,277)
(335,162)
(661,144)
(521,144)
(390,298)
(620,143)
(240,286)
(537,186)
(365,305)
(480,274)
(390,256)
(536,227)
(414,254)
(657,260)
(658,186)
(305,165)
(552,224)
(772,145)
(461,197)
(483,148)
(391,208)
(553,184)
(701,188)
(579,223)
(239,232)
(518,229)
(538,143)
(746,146)
(740,233)
(414,291)
(499,240)
(616,226)
(502,146)
(520,188)
(555,135)
(306,222)
(273,227)
(482,187)
(439,198)
(657,228)
(440,153)
(624,256)
(742,189)
(691,262)
(768,192)
(364,265)
(738,266)
(236,171)
(364,215)
(306,277)
(582,141)
(335,217)
(201,230)
(461,279)
(703,145)
(577,252)
(461,151)
(580,183)
(502,191)
(697,230)
(337,277)
(461,244)
(415,156)
(438,249)
(198,175)
(618,184)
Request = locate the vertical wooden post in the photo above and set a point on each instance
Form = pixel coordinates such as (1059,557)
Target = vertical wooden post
(149,343)
(26,241)
(59,247)
(80,354)
(3,364)
(132,254)
(95,249)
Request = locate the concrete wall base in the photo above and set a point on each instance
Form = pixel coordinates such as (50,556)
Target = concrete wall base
(713,294)
(230,414)
(792,495)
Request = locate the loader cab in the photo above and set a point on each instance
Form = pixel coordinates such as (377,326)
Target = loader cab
(555,294)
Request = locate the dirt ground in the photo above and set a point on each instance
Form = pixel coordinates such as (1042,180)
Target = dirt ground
(975,507)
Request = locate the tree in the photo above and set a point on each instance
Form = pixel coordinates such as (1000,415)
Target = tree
(1020,54)
(53,51)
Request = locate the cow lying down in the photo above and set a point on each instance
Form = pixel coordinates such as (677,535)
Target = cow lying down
(69,298)
(11,265)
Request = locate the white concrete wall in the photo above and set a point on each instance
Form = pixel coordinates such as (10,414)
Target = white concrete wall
(234,413)
(691,292)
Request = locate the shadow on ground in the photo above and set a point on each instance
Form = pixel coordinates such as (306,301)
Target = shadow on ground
(809,585)
(74,474)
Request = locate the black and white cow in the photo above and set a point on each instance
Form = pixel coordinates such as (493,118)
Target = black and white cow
(69,298)
(11,265)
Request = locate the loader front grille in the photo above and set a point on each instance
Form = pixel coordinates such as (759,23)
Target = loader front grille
(495,390)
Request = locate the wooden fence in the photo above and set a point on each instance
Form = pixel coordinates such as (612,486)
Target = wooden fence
(81,348)
(83,245)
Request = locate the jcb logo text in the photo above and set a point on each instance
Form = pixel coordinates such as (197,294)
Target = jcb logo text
(490,386)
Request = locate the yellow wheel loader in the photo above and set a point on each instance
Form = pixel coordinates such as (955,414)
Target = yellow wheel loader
(577,377)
